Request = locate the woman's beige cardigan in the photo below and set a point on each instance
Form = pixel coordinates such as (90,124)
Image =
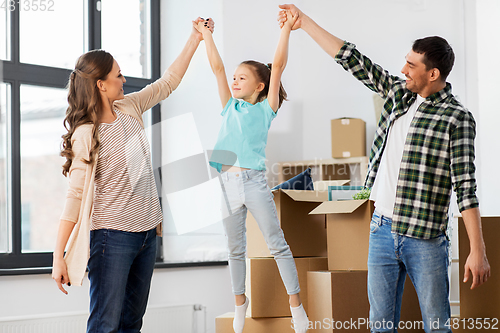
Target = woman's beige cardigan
(80,197)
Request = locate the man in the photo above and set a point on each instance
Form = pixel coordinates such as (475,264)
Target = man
(423,147)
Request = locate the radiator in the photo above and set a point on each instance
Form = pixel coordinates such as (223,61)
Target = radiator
(158,319)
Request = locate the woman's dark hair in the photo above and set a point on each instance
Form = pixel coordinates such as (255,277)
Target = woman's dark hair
(437,54)
(84,99)
(263,73)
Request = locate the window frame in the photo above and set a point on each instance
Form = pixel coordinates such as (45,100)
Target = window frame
(15,74)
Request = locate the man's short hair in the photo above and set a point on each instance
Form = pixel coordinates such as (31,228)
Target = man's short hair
(437,54)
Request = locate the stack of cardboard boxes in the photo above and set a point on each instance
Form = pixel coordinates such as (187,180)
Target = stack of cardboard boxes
(338,296)
(329,241)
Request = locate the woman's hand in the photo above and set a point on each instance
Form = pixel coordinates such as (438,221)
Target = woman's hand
(60,273)
(200,25)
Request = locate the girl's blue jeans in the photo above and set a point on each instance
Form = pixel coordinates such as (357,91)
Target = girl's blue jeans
(120,269)
(248,190)
(390,258)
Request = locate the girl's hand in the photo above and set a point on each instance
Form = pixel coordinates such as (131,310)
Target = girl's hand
(200,25)
(287,19)
(299,16)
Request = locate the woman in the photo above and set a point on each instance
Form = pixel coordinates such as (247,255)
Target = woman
(112,208)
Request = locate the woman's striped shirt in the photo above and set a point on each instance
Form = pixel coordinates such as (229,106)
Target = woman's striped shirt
(125,196)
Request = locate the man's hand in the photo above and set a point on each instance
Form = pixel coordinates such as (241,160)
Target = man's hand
(476,262)
(289,19)
(296,13)
(478,265)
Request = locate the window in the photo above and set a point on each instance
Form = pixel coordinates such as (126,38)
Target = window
(5,31)
(53,37)
(38,50)
(130,43)
(43,190)
(4,204)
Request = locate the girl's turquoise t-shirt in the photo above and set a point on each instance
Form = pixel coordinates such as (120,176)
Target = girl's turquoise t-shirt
(242,137)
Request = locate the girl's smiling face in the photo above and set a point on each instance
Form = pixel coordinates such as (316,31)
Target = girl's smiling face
(245,84)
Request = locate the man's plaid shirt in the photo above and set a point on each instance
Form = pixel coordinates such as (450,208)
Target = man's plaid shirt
(438,152)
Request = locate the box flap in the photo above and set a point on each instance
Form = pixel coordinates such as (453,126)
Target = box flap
(338,207)
(312,196)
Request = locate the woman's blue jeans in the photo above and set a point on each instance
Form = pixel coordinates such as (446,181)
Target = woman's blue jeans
(248,190)
(390,258)
(120,269)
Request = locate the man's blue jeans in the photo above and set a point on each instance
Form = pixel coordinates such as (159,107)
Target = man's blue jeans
(120,269)
(390,258)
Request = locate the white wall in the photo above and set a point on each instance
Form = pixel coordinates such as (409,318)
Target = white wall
(384,31)
(319,90)
(38,294)
(487,86)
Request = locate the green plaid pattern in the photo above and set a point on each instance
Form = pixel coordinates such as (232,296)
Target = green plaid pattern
(438,152)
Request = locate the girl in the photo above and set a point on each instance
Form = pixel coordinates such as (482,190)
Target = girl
(239,155)
(112,207)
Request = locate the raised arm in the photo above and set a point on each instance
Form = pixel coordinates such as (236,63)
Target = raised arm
(326,40)
(152,94)
(181,63)
(370,74)
(279,61)
(215,62)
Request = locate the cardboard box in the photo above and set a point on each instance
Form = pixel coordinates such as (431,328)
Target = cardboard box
(306,234)
(338,302)
(484,301)
(224,324)
(348,232)
(335,298)
(348,137)
(266,291)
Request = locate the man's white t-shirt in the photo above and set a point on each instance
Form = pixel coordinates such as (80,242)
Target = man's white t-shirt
(385,185)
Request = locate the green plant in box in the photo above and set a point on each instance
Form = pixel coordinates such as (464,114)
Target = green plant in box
(362,195)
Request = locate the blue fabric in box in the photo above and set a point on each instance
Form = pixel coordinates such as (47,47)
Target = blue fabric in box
(302,181)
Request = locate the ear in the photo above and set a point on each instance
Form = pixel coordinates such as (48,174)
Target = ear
(101,86)
(434,75)
(260,87)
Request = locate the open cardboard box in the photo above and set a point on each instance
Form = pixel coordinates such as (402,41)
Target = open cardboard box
(266,291)
(304,233)
(348,232)
(224,324)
